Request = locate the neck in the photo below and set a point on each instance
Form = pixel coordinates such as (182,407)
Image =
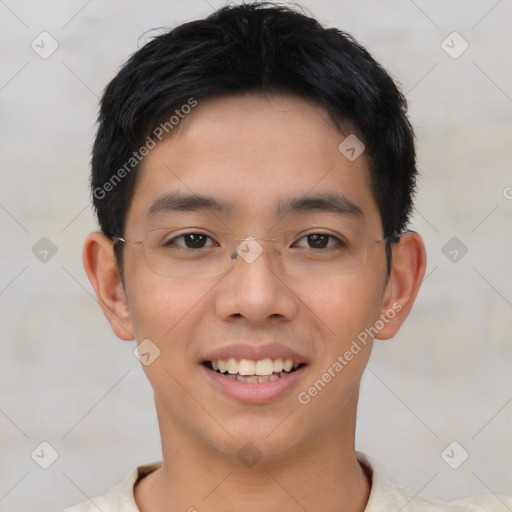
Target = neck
(323,474)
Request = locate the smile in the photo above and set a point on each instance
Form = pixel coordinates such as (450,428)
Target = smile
(252,371)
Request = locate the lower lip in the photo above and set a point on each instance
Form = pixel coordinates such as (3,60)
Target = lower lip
(254,392)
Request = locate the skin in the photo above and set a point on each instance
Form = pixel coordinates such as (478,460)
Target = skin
(254,151)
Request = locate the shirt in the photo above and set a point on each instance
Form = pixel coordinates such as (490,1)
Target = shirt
(385,496)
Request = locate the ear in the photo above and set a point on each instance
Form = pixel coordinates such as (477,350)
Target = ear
(100,266)
(408,265)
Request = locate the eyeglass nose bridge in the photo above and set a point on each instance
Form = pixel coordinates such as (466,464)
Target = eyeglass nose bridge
(249,249)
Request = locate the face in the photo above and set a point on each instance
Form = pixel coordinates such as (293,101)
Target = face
(257,158)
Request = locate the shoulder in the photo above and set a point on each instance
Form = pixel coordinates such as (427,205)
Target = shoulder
(119,498)
(110,502)
(413,502)
(386,496)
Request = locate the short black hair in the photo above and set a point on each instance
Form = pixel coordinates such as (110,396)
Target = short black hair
(252,48)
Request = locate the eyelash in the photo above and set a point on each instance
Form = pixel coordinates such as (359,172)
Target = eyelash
(338,242)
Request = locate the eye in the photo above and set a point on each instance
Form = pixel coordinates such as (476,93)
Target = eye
(319,241)
(190,241)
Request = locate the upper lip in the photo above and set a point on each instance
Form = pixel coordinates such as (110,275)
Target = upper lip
(255,352)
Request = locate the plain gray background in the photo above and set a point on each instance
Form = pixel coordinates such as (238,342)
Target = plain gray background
(65,378)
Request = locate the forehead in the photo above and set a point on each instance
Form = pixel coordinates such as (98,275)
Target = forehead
(254,153)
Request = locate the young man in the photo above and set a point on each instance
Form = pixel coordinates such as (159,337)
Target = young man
(253,176)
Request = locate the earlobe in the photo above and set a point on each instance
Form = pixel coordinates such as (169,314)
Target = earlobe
(100,266)
(407,270)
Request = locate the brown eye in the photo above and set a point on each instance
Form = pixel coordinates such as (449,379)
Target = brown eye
(190,241)
(318,241)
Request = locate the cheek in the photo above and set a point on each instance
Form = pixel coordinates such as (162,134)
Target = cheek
(344,307)
(167,312)
(341,311)
(164,309)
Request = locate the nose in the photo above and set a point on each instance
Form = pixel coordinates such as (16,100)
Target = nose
(253,288)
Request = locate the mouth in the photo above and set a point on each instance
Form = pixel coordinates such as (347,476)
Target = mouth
(254,371)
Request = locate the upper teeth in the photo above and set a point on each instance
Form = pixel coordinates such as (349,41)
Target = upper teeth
(250,367)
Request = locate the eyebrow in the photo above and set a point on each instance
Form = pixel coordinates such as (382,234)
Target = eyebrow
(178,202)
(333,203)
